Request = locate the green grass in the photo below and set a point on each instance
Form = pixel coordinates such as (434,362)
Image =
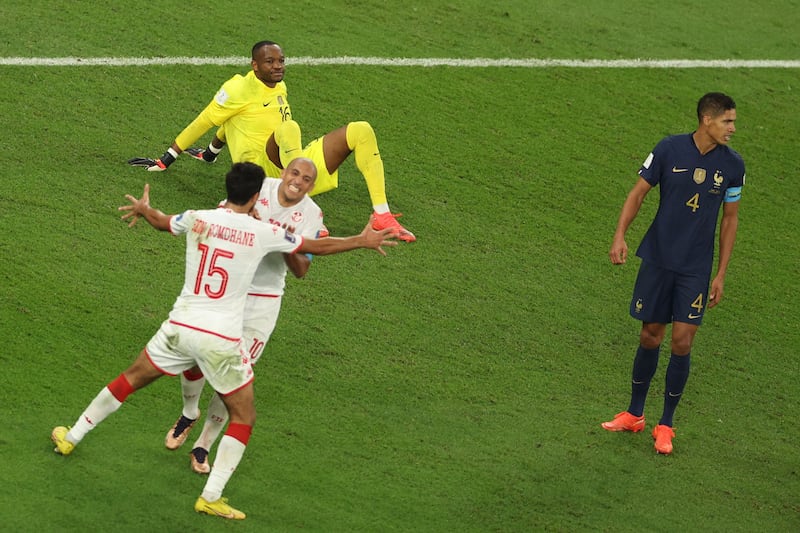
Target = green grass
(458,384)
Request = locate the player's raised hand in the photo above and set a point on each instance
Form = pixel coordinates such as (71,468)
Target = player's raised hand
(152,165)
(136,207)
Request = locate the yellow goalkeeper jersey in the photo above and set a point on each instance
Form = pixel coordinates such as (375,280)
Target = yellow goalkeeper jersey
(248,110)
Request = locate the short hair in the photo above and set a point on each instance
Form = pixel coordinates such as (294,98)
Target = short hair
(259,45)
(242,181)
(714,104)
(302,159)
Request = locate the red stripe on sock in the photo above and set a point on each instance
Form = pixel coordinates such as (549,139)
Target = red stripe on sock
(120,388)
(240,432)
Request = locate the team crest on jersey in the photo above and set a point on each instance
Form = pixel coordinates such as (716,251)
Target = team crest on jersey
(639,305)
(297,217)
(280,100)
(718,179)
(699,175)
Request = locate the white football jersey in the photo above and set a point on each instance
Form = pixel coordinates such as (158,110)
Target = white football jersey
(223,250)
(306,219)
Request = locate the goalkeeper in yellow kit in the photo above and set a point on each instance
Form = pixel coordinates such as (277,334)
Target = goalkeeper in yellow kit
(254,118)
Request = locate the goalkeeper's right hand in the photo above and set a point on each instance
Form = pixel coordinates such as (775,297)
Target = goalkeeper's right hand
(152,165)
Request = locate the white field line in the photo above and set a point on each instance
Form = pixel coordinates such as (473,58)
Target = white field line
(402,62)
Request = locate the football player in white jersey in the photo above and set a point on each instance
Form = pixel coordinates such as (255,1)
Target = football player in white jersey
(283,203)
(223,248)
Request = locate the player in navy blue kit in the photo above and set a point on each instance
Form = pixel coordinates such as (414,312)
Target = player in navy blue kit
(697,174)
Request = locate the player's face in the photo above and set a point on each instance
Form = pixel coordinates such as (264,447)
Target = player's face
(722,127)
(269,65)
(297,180)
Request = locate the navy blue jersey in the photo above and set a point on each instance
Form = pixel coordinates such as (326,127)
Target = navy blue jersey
(692,188)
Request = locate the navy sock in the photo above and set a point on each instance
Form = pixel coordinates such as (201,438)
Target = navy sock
(677,375)
(644,368)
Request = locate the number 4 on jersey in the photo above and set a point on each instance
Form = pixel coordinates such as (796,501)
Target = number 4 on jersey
(694,202)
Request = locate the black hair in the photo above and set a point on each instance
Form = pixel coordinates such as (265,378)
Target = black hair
(714,104)
(259,45)
(242,181)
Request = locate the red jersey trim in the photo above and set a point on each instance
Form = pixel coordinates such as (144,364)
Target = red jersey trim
(201,330)
(147,354)
(249,381)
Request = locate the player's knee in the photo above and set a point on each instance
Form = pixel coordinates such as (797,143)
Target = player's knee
(359,131)
(650,338)
(681,345)
(289,127)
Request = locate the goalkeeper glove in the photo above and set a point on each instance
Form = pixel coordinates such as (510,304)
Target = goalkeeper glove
(202,154)
(209,155)
(155,165)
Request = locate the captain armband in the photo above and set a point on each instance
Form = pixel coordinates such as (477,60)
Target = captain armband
(733,194)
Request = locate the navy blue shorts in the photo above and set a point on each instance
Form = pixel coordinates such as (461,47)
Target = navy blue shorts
(663,296)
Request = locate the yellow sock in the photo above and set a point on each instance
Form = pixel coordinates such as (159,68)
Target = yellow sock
(288,139)
(361,140)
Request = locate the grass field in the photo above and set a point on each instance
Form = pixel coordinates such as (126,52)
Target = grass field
(458,384)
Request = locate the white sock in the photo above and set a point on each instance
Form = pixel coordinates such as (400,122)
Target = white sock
(216,417)
(103,405)
(191,390)
(381,208)
(228,456)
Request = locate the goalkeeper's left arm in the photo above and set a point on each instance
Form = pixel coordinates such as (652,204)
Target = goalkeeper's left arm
(185,139)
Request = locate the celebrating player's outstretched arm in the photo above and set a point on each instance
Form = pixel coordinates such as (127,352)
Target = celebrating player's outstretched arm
(368,238)
(141,208)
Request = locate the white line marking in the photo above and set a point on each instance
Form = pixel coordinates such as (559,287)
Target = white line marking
(401,62)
